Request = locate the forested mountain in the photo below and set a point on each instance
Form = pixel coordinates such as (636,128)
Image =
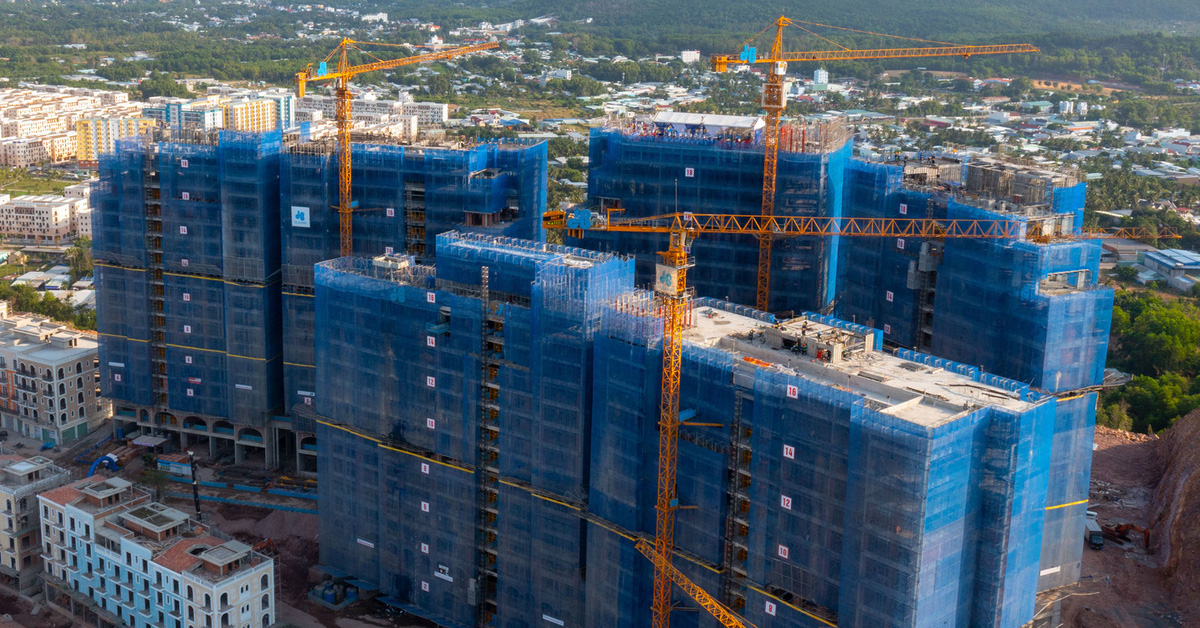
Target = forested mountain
(696,22)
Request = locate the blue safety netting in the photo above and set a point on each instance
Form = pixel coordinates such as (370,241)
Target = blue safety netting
(884,282)
(997,306)
(650,176)
(124,329)
(213,268)
(249,174)
(411,340)
(119,198)
(1066,499)
(406,197)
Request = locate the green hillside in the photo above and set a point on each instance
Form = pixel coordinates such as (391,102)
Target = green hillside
(726,20)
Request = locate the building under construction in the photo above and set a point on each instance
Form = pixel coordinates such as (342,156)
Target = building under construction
(1030,311)
(205,244)
(492,463)
(714,165)
(485,405)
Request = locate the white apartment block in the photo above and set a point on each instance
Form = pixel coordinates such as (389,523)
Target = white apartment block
(81,219)
(37,122)
(428,113)
(41,217)
(48,386)
(21,479)
(22,152)
(114,558)
(401,128)
(368,104)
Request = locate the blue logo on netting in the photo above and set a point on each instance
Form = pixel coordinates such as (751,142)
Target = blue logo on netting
(749,54)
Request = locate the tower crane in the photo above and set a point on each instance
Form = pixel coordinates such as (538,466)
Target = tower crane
(774,100)
(340,76)
(675,296)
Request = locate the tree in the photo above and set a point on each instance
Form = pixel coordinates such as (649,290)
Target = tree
(1126,273)
(160,84)
(79,258)
(1162,340)
(156,480)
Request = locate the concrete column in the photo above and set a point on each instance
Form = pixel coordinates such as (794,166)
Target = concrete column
(183,441)
(212,446)
(271,447)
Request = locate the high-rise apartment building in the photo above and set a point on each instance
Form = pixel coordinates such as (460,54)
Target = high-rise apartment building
(494,462)
(205,248)
(251,114)
(95,136)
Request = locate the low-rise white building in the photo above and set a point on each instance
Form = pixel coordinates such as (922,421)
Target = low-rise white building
(21,479)
(41,217)
(428,113)
(48,379)
(113,556)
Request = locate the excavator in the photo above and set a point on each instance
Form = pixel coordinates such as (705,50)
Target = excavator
(1121,533)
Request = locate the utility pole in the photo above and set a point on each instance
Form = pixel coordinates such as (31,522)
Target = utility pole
(195,485)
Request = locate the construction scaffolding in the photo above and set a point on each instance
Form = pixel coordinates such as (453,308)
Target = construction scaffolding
(487,464)
(187,255)
(407,195)
(652,173)
(1047,319)
(481,369)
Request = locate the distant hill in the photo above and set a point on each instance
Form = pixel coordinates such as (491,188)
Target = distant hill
(716,20)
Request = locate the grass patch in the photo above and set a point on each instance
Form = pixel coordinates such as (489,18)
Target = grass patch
(16,182)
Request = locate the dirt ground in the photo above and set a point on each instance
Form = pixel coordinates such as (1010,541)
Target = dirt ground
(1122,585)
(1069,86)
(295,538)
(14,612)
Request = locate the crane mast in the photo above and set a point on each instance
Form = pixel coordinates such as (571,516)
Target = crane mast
(774,101)
(675,295)
(343,111)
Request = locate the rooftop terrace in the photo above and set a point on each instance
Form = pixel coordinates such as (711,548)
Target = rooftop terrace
(846,359)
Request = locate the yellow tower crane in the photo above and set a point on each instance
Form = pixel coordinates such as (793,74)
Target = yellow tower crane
(675,297)
(341,76)
(774,100)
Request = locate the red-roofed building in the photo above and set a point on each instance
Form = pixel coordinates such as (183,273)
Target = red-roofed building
(135,562)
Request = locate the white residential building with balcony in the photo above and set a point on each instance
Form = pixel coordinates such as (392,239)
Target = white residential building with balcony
(113,557)
(21,479)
